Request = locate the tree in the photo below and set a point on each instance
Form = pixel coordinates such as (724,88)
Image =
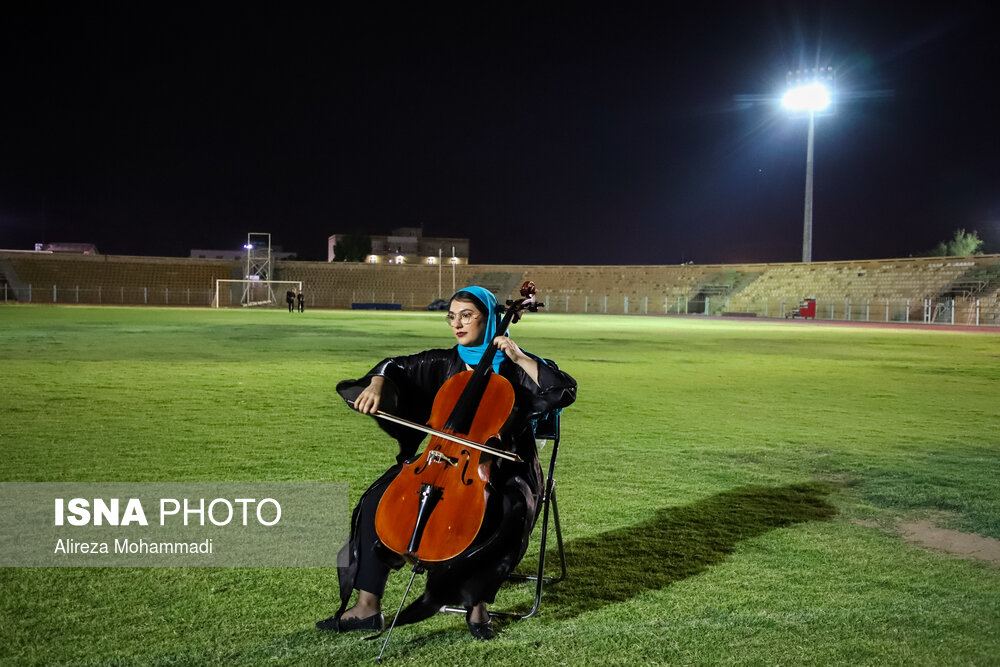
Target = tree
(962,245)
(352,248)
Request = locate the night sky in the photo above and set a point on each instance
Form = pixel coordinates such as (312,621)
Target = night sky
(577,133)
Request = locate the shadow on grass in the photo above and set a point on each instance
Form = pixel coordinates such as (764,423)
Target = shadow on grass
(611,567)
(677,543)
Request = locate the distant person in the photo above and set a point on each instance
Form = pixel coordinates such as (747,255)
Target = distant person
(302,302)
(290,300)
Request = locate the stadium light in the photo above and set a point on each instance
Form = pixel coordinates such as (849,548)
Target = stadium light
(809,92)
(813,97)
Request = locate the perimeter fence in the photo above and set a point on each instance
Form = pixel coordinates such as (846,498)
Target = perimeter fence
(948,310)
(159,295)
(105,295)
(963,311)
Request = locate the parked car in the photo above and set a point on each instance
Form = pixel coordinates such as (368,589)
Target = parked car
(438,304)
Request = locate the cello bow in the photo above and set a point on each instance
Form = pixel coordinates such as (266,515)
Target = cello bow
(499,453)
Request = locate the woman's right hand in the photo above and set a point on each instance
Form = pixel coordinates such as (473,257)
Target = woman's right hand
(368,400)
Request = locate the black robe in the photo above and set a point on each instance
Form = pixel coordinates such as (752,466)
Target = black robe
(476,574)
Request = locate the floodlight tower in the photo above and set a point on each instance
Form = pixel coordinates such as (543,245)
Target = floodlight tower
(258,247)
(809,91)
(258,267)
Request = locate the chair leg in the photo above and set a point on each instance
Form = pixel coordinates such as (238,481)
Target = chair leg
(416,570)
(559,541)
(540,579)
(549,501)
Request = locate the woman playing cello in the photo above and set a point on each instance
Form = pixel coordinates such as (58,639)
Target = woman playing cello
(406,387)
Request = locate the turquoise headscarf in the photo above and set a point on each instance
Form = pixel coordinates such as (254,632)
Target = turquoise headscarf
(472,354)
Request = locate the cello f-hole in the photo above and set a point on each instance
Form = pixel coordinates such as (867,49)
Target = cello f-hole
(465,477)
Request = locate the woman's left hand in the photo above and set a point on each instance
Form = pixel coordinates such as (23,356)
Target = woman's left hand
(510,348)
(517,355)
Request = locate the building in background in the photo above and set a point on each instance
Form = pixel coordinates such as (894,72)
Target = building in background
(408,245)
(276,253)
(72,248)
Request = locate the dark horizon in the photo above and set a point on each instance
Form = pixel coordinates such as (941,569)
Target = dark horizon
(637,134)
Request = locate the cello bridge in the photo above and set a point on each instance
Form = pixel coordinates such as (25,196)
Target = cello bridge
(436,455)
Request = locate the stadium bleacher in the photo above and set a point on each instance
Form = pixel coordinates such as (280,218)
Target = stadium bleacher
(111,279)
(959,289)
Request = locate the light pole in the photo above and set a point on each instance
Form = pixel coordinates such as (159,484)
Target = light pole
(809,93)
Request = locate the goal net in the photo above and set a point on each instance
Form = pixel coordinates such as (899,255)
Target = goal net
(253,293)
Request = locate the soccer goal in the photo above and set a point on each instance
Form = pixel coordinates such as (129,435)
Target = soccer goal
(252,293)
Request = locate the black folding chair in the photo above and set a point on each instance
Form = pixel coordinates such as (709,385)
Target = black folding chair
(547,429)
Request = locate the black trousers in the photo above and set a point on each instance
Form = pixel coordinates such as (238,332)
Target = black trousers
(372,570)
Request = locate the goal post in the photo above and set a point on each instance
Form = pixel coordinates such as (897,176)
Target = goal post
(252,293)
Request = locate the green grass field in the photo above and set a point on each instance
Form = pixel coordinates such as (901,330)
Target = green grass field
(762,470)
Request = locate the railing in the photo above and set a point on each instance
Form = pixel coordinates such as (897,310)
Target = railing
(963,311)
(105,295)
(158,295)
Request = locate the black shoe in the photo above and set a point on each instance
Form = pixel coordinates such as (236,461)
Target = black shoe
(481,631)
(336,624)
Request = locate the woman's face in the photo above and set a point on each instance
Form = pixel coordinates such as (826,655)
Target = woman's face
(470,332)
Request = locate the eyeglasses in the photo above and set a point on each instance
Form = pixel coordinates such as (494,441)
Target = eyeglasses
(465,317)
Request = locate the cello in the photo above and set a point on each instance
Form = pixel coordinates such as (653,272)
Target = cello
(434,508)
